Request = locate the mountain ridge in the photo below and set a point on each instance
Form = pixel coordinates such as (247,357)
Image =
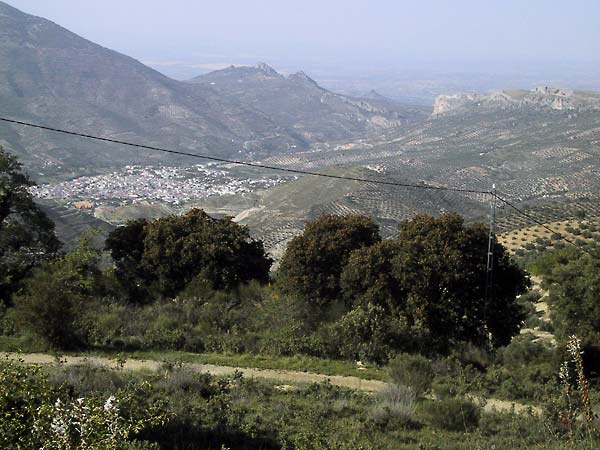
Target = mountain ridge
(546,98)
(51,76)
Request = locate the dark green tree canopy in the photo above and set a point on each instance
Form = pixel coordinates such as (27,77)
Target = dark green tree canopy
(126,246)
(313,261)
(433,275)
(26,234)
(168,253)
(573,279)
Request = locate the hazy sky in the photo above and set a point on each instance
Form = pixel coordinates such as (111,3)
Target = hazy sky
(476,35)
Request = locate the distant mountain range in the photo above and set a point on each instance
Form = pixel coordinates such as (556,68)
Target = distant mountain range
(541,98)
(52,76)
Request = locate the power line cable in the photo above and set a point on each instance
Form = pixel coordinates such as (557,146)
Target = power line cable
(295,171)
(245,163)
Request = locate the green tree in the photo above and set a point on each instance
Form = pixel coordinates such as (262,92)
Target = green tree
(54,297)
(574,299)
(368,277)
(27,236)
(313,261)
(169,253)
(126,246)
(433,277)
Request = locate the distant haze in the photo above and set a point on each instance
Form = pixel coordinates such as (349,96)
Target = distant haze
(536,39)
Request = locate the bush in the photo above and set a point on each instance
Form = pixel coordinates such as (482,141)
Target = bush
(453,414)
(444,387)
(180,378)
(36,414)
(471,355)
(522,351)
(364,333)
(396,403)
(53,299)
(414,371)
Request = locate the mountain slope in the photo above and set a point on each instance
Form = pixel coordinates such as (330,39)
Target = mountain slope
(52,76)
(540,157)
(299,103)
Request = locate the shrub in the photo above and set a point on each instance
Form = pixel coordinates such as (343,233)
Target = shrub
(23,390)
(523,351)
(444,387)
(86,379)
(453,414)
(53,299)
(35,414)
(179,378)
(396,403)
(414,371)
(364,333)
(471,355)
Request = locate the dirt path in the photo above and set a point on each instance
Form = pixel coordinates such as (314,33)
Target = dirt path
(356,383)
(493,404)
(140,365)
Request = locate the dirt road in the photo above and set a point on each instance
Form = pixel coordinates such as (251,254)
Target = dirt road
(140,364)
(294,377)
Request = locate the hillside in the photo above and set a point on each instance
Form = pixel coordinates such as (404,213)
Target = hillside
(536,156)
(300,104)
(52,76)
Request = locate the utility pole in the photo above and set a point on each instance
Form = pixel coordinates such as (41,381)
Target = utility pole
(489,276)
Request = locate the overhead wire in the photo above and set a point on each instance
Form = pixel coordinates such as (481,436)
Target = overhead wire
(295,171)
(245,163)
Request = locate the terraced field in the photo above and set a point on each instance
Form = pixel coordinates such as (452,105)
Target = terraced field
(71,224)
(542,160)
(538,237)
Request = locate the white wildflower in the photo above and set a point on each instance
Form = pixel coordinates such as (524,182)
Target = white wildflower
(563,373)
(110,403)
(574,346)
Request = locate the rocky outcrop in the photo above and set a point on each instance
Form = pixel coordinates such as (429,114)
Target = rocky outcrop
(267,70)
(548,98)
(301,77)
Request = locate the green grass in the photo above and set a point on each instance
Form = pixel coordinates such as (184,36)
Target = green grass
(25,344)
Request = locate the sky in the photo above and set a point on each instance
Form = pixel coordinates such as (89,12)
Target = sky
(343,35)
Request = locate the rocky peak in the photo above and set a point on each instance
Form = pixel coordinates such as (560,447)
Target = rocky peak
(302,77)
(268,70)
(373,94)
(554,91)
